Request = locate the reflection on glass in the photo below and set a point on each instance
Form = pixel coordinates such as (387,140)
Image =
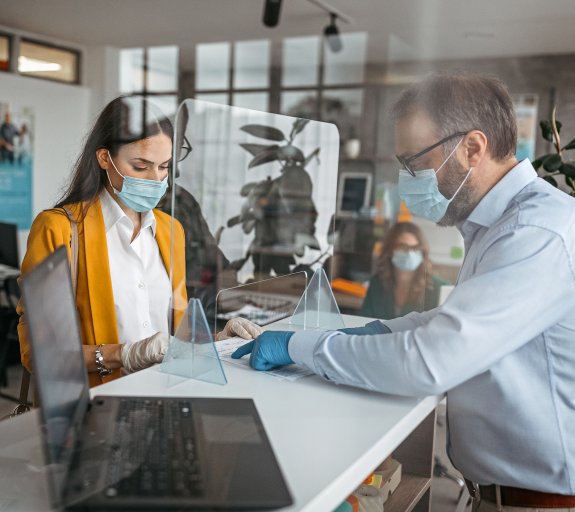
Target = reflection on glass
(251,64)
(167,103)
(256,197)
(252,100)
(347,65)
(299,104)
(213,97)
(42,61)
(212,66)
(300,61)
(343,107)
(162,68)
(4,53)
(131,68)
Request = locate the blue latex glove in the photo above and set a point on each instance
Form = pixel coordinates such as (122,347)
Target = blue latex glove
(375,327)
(268,351)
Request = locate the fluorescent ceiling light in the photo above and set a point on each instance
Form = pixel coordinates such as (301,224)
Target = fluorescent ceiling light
(26,65)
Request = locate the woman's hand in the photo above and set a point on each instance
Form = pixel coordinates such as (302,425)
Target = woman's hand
(144,353)
(239,327)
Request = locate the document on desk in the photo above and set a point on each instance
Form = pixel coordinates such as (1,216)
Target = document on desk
(226,348)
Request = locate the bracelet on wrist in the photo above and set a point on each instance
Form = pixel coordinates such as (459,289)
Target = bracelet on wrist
(100,366)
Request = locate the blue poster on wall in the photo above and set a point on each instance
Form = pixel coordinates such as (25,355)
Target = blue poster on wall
(16,143)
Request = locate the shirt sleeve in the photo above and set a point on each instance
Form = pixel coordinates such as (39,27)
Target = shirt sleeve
(522,284)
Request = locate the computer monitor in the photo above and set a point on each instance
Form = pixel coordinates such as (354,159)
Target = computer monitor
(9,245)
(354,193)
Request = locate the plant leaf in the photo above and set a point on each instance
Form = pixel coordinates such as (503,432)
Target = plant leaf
(255,149)
(233,221)
(290,152)
(309,158)
(552,162)
(570,145)
(537,163)
(298,126)
(567,170)
(546,131)
(558,124)
(550,179)
(246,189)
(264,157)
(570,182)
(263,132)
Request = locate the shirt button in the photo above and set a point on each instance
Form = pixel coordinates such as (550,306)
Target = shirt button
(146,324)
(141,285)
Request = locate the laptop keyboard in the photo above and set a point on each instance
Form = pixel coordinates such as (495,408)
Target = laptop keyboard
(156,452)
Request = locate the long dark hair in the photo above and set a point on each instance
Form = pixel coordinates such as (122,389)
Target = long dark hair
(124,120)
(384,268)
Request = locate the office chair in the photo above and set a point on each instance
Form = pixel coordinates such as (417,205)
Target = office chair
(9,344)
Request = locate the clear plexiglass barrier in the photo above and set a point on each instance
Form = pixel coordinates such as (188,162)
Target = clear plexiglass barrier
(262,302)
(255,193)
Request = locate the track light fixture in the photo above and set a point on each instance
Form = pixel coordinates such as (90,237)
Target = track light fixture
(331,33)
(271,15)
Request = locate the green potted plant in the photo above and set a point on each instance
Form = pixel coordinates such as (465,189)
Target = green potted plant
(556,163)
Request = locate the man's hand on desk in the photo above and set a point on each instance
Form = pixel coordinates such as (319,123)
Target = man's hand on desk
(268,351)
(375,327)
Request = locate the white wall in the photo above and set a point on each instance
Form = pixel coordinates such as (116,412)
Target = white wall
(61,119)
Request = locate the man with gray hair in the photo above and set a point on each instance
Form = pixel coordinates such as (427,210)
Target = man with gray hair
(502,345)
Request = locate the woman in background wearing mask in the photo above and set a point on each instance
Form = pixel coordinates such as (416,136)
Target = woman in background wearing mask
(403,282)
(123,295)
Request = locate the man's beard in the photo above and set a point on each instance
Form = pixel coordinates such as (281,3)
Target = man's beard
(465,201)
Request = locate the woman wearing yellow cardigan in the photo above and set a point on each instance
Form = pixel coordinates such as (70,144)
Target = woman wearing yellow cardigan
(123,293)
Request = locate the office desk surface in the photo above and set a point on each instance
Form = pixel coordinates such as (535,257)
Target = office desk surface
(327,438)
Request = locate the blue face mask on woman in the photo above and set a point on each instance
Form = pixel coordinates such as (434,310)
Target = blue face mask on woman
(407,261)
(137,193)
(421,192)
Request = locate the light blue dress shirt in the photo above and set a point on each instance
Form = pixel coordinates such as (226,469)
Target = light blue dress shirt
(502,345)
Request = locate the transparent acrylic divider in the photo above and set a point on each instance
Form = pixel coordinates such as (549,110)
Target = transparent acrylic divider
(191,352)
(317,308)
(262,302)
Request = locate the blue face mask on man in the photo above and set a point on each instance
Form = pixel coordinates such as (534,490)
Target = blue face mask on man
(421,192)
(137,193)
(407,261)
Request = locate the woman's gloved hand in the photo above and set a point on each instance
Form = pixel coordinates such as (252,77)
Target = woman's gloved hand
(239,327)
(144,353)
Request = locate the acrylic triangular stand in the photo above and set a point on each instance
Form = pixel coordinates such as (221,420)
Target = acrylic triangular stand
(191,352)
(317,308)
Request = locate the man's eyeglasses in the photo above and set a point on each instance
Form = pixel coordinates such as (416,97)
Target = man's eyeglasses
(405,162)
(185,150)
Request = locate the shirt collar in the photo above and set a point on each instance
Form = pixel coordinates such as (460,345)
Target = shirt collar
(113,213)
(495,202)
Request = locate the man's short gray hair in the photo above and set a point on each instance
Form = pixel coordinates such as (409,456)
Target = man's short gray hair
(461,102)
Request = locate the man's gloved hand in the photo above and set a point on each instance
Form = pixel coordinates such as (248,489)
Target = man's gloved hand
(144,353)
(239,327)
(375,327)
(269,350)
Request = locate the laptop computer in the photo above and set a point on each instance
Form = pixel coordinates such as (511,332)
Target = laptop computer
(164,453)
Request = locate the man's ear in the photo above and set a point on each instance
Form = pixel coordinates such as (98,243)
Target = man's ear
(103,158)
(475,147)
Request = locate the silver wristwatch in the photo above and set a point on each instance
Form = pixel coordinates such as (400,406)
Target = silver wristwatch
(100,366)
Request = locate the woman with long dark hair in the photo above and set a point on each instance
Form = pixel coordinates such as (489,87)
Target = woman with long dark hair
(403,281)
(123,294)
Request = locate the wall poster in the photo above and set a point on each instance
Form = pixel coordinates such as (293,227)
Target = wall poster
(16,162)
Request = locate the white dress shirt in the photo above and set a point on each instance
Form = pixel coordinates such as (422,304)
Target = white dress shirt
(140,282)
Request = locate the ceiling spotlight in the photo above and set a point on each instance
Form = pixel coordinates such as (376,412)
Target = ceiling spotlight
(331,33)
(271,16)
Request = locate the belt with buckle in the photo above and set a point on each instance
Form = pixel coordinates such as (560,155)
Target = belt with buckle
(516,497)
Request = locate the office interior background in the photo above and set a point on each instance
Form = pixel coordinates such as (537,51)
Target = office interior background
(61,61)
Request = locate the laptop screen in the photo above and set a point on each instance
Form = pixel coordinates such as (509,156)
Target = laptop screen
(57,357)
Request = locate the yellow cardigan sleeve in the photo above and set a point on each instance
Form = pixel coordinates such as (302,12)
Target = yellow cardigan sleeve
(50,230)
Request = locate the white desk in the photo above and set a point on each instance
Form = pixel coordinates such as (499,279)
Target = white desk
(327,438)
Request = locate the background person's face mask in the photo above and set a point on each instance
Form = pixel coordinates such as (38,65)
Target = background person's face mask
(421,192)
(137,193)
(407,260)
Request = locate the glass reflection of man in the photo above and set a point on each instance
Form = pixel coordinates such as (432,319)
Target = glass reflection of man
(502,345)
